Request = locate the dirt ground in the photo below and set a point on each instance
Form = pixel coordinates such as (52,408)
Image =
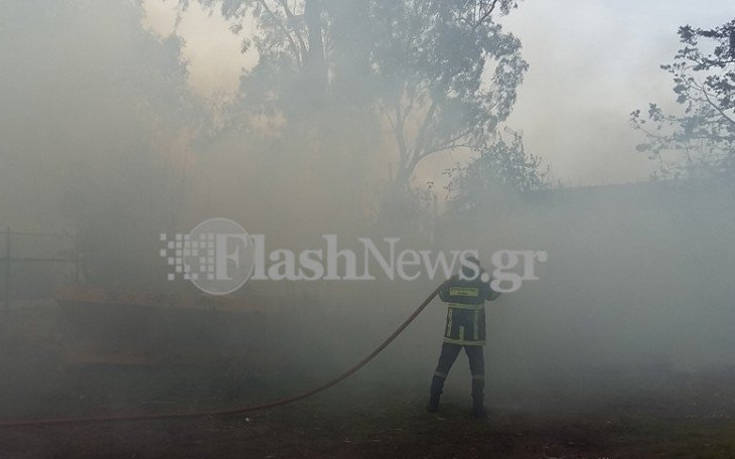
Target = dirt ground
(639,413)
(694,420)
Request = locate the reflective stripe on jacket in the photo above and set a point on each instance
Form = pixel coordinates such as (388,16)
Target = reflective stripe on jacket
(466,310)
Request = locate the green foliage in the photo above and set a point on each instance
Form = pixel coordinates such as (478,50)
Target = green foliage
(441,73)
(445,74)
(502,169)
(703,72)
(88,106)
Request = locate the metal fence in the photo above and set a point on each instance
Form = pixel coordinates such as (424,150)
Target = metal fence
(23,248)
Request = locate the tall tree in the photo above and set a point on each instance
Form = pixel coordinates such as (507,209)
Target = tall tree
(446,73)
(703,72)
(91,135)
(442,74)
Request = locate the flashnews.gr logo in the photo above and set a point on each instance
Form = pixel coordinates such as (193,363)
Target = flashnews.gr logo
(217,256)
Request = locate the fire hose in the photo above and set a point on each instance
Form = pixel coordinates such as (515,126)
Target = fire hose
(231,411)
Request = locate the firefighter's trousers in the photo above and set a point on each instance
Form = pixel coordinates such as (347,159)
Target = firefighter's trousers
(448,355)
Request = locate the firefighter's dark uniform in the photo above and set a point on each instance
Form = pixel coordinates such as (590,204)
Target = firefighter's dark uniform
(465,327)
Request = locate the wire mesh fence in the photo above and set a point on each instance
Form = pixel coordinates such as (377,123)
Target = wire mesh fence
(34,264)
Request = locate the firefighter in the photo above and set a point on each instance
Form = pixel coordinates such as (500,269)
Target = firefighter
(465,296)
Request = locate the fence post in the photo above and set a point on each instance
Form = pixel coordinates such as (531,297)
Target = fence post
(7,268)
(77,263)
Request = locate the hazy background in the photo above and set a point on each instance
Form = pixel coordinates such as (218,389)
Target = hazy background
(592,62)
(112,128)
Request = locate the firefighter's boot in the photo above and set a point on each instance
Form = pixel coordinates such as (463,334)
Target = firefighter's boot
(437,384)
(478,399)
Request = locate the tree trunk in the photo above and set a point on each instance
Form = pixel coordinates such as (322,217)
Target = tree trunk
(315,63)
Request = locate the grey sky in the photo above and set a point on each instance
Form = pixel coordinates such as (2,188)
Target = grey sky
(592,62)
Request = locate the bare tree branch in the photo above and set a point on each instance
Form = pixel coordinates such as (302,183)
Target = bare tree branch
(283,29)
(716,107)
(486,15)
